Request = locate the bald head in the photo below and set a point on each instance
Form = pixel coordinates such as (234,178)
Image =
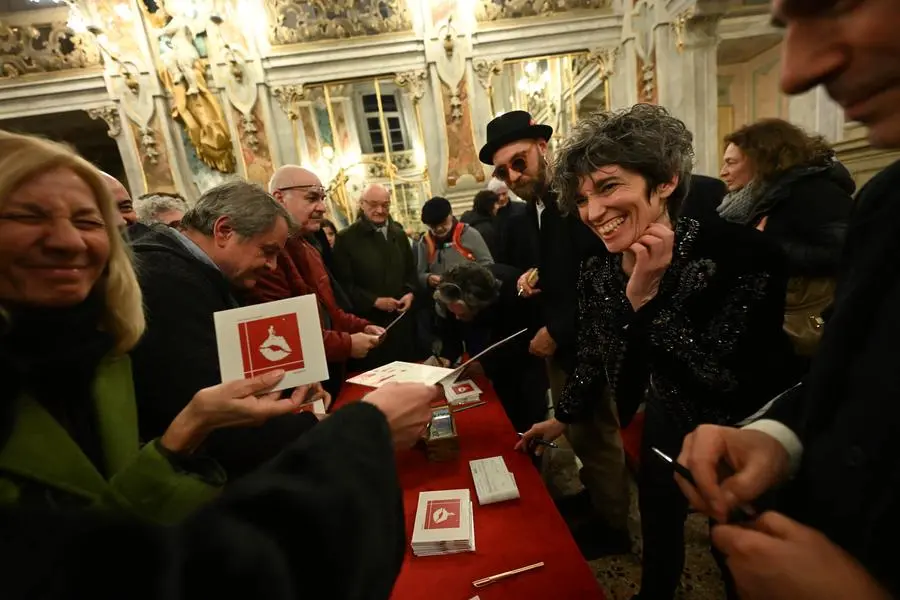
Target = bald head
(292,176)
(375,202)
(300,191)
(121,197)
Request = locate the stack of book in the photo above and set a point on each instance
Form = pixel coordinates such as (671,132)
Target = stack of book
(462,392)
(444,523)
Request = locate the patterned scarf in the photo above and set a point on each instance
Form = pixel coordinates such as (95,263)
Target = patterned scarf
(737,206)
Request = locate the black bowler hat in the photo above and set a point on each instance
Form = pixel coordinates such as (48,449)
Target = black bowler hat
(511,127)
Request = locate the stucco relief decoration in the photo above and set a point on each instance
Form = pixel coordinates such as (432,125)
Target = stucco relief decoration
(462,156)
(180,28)
(110,114)
(289,98)
(494,10)
(34,48)
(295,22)
(254,145)
(605,59)
(642,30)
(148,145)
(485,70)
(414,82)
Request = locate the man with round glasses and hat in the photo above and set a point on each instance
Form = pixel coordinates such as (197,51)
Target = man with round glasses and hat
(549,248)
(478,305)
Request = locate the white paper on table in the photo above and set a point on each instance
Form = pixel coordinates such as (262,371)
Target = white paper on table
(404,372)
(401,372)
(284,334)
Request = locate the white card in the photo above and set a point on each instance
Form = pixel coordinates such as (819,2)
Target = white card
(401,372)
(285,334)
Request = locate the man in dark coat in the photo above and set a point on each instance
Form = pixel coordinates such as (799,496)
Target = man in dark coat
(832,442)
(374,263)
(554,244)
(478,305)
(231,236)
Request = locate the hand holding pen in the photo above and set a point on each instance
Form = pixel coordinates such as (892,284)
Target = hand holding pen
(739,514)
(756,462)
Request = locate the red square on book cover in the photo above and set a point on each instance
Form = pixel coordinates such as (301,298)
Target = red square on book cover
(463,388)
(270,343)
(442,514)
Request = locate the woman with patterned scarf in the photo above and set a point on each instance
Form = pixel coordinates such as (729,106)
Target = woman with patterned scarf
(788,185)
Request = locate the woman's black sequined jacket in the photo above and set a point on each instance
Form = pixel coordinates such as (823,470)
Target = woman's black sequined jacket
(709,348)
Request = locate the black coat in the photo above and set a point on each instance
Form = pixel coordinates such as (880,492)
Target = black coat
(369,266)
(518,377)
(178,355)
(484,224)
(709,348)
(808,209)
(323,520)
(704,197)
(557,249)
(848,414)
(507,218)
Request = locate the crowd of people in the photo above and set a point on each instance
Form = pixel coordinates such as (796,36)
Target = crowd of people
(750,321)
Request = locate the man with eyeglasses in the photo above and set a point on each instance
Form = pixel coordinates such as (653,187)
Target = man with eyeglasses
(301,270)
(829,447)
(549,248)
(375,265)
(479,305)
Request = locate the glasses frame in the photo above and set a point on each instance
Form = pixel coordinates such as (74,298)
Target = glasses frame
(518,163)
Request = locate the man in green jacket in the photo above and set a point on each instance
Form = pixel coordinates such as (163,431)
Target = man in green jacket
(375,265)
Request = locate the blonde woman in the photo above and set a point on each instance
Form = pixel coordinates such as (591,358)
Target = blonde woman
(70,311)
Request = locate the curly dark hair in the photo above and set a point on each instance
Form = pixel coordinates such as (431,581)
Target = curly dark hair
(775,146)
(484,202)
(644,139)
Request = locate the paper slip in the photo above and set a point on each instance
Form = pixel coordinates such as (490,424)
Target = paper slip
(285,334)
(444,523)
(404,372)
(461,392)
(493,481)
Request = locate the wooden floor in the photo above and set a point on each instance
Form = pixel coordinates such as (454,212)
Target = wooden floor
(620,575)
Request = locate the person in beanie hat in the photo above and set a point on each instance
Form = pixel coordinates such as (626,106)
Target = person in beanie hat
(446,243)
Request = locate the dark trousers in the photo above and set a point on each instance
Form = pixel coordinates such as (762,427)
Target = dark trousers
(520,381)
(663,512)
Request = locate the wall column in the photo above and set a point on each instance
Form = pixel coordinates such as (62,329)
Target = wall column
(687,72)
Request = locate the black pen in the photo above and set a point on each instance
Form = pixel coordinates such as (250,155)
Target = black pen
(539,441)
(740,514)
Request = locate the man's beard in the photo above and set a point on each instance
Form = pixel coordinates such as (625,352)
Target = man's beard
(533,189)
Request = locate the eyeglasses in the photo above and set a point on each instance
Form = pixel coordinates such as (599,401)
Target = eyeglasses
(313,192)
(519,164)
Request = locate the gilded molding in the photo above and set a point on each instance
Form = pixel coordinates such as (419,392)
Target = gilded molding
(110,114)
(295,21)
(485,71)
(414,81)
(490,10)
(289,97)
(43,48)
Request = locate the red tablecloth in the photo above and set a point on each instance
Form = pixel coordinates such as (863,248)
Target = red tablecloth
(508,535)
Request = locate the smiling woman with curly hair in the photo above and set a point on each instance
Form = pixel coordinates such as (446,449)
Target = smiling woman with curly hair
(682,314)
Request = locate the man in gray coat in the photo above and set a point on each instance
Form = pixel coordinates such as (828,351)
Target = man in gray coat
(447,243)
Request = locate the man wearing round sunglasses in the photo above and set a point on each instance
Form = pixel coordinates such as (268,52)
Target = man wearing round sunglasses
(301,270)
(544,241)
(477,305)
